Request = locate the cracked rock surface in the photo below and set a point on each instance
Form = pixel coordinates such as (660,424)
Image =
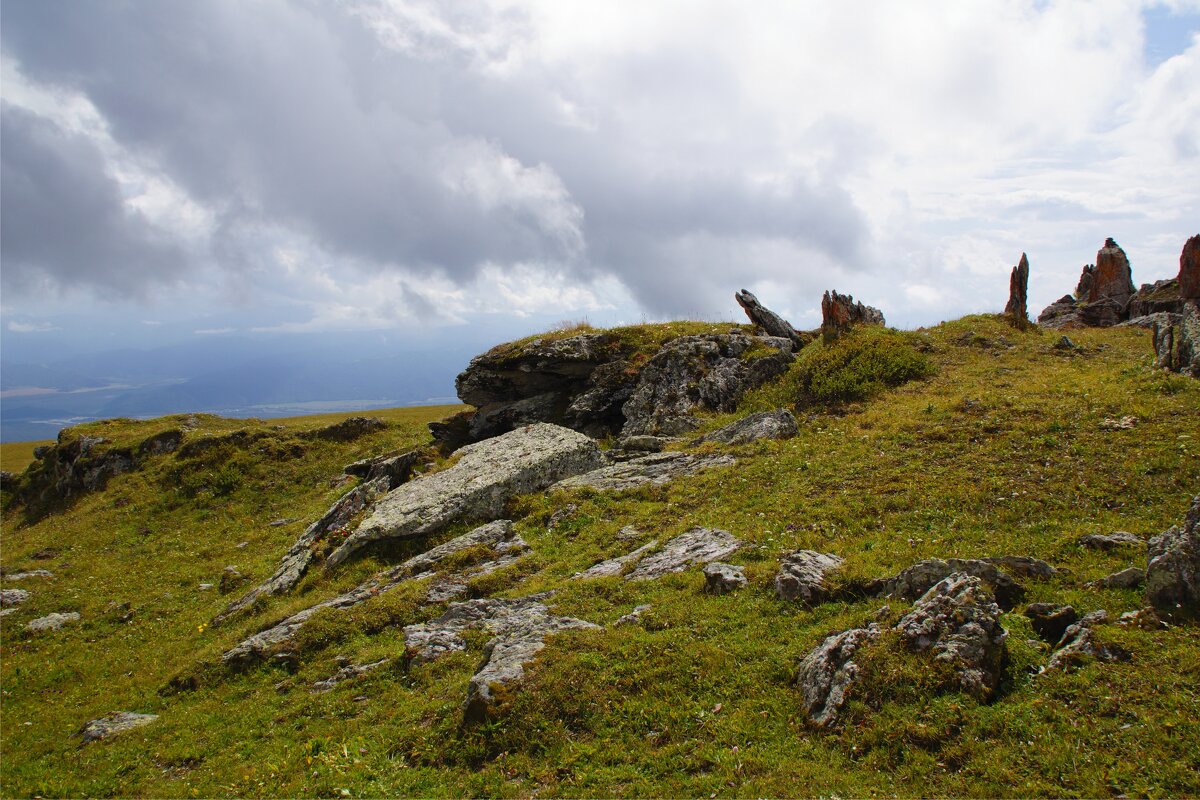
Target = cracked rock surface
(828,671)
(114,723)
(802,576)
(695,546)
(656,469)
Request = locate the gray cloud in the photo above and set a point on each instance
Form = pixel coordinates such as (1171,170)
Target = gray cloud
(64,221)
(293,116)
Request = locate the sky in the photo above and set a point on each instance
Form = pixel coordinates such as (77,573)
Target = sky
(211,171)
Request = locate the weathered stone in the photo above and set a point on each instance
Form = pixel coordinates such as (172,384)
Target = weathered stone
(1189,269)
(1130,578)
(1104,313)
(699,373)
(1051,620)
(644,444)
(633,617)
(497,536)
(453,432)
(74,467)
(1149,321)
(33,573)
(840,313)
(616,566)
(802,576)
(231,579)
(51,622)
(1173,567)
(777,424)
(346,672)
(1110,541)
(1023,566)
(12,597)
(1145,618)
(397,467)
(350,429)
(1112,278)
(723,578)
(654,469)
(1018,292)
(828,671)
(771,323)
(161,444)
(1062,313)
(916,580)
(959,621)
(1078,644)
(695,546)
(1065,343)
(111,724)
(1152,299)
(477,486)
(1177,344)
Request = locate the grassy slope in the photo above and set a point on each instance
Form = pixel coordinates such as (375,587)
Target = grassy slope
(1001,451)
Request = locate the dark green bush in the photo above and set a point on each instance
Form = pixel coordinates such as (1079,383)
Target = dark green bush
(860,364)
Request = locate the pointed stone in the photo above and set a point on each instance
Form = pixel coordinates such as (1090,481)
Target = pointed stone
(1018,292)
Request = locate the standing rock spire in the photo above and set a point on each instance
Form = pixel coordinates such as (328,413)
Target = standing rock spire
(839,313)
(768,320)
(1018,292)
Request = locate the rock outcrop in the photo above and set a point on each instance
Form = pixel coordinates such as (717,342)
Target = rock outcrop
(1110,541)
(1079,644)
(76,466)
(829,670)
(1111,278)
(777,424)
(1062,313)
(112,724)
(1177,341)
(723,578)
(1189,269)
(694,546)
(1173,567)
(655,469)
(1051,620)
(840,313)
(476,488)
(618,565)
(51,622)
(1018,292)
(771,323)
(918,579)
(802,576)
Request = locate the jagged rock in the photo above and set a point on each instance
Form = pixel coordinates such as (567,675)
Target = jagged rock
(12,597)
(1023,566)
(33,573)
(51,622)
(1173,567)
(1189,269)
(346,672)
(519,628)
(1102,314)
(802,576)
(1018,292)
(615,566)
(632,617)
(1110,541)
(1177,345)
(1152,299)
(299,556)
(643,444)
(8,481)
(76,466)
(477,487)
(695,546)
(452,432)
(1051,620)
(915,581)
(396,467)
(840,313)
(1125,579)
(1112,278)
(1062,313)
(777,424)
(657,469)
(694,373)
(350,429)
(117,722)
(959,621)
(771,323)
(828,671)
(1078,644)
(1145,618)
(161,444)
(231,578)
(1065,343)
(1148,321)
(723,578)
(497,536)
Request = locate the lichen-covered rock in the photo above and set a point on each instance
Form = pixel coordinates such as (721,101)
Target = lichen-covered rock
(695,546)
(1018,292)
(1153,299)
(1023,566)
(802,576)
(477,487)
(1189,269)
(12,597)
(349,429)
(1079,644)
(771,323)
(777,424)
(615,566)
(1177,343)
(1173,567)
(1110,541)
(346,672)
(959,621)
(828,671)
(654,469)
(916,580)
(1062,313)
(1051,620)
(111,724)
(1112,277)
(840,313)
(1129,578)
(700,373)
(33,573)
(397,467)
(723,578)
(51,622)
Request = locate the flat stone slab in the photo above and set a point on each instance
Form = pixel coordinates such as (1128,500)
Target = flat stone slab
(695,546)
(802,576)
(12,597)
(117,722)
(487,474)
(34,573)
(1110,541)
(51,622)
(656,469)
(615,566)
(723,578)
(777,424)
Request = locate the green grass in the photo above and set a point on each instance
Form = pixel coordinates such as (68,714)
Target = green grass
(16,456)
(997,449)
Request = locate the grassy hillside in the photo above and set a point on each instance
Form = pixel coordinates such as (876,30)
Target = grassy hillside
(1001,448)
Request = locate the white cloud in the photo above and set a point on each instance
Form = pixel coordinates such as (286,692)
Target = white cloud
(31,327)
(213,331)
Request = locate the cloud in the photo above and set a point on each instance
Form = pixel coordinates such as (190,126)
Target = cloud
(31,327)
(213,331)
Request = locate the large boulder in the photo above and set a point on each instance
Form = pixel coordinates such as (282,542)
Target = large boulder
(918,579)
(1160,297)
(1112,277)
(777,424)
(1189,269)
(1173,567)
(1018,292)
(695,546)
(802,576)
(829,670)
(476,488)
(1177,341)
(654,469)
(840,313)
(771,323)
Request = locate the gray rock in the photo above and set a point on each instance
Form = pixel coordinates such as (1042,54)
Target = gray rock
(1065,343)
(699,373)
(1078,644)
(629,534)
(1023,566)
(561,515)
(231,578)
(33,573)
(632,617)
(1125,579)
(111,724)
(349,429)
(1018,292)
(695,546)
(1110,541)
(477,486)
(777,424)
(1062,313)
(347,672)
(655,469)
(802,576)
(299,556)
(12,597)
(644,444)
(915,581)
(723,578)
(51,622)
(616,566)
(397,467)
(1051,620)
(161,444)
(497,536)
(1177,341)
(771,323)
(279,523)
(840,313)
(1173,567)
(959,622)
(829,670)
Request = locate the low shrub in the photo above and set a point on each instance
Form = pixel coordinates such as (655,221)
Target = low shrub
(857,366)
